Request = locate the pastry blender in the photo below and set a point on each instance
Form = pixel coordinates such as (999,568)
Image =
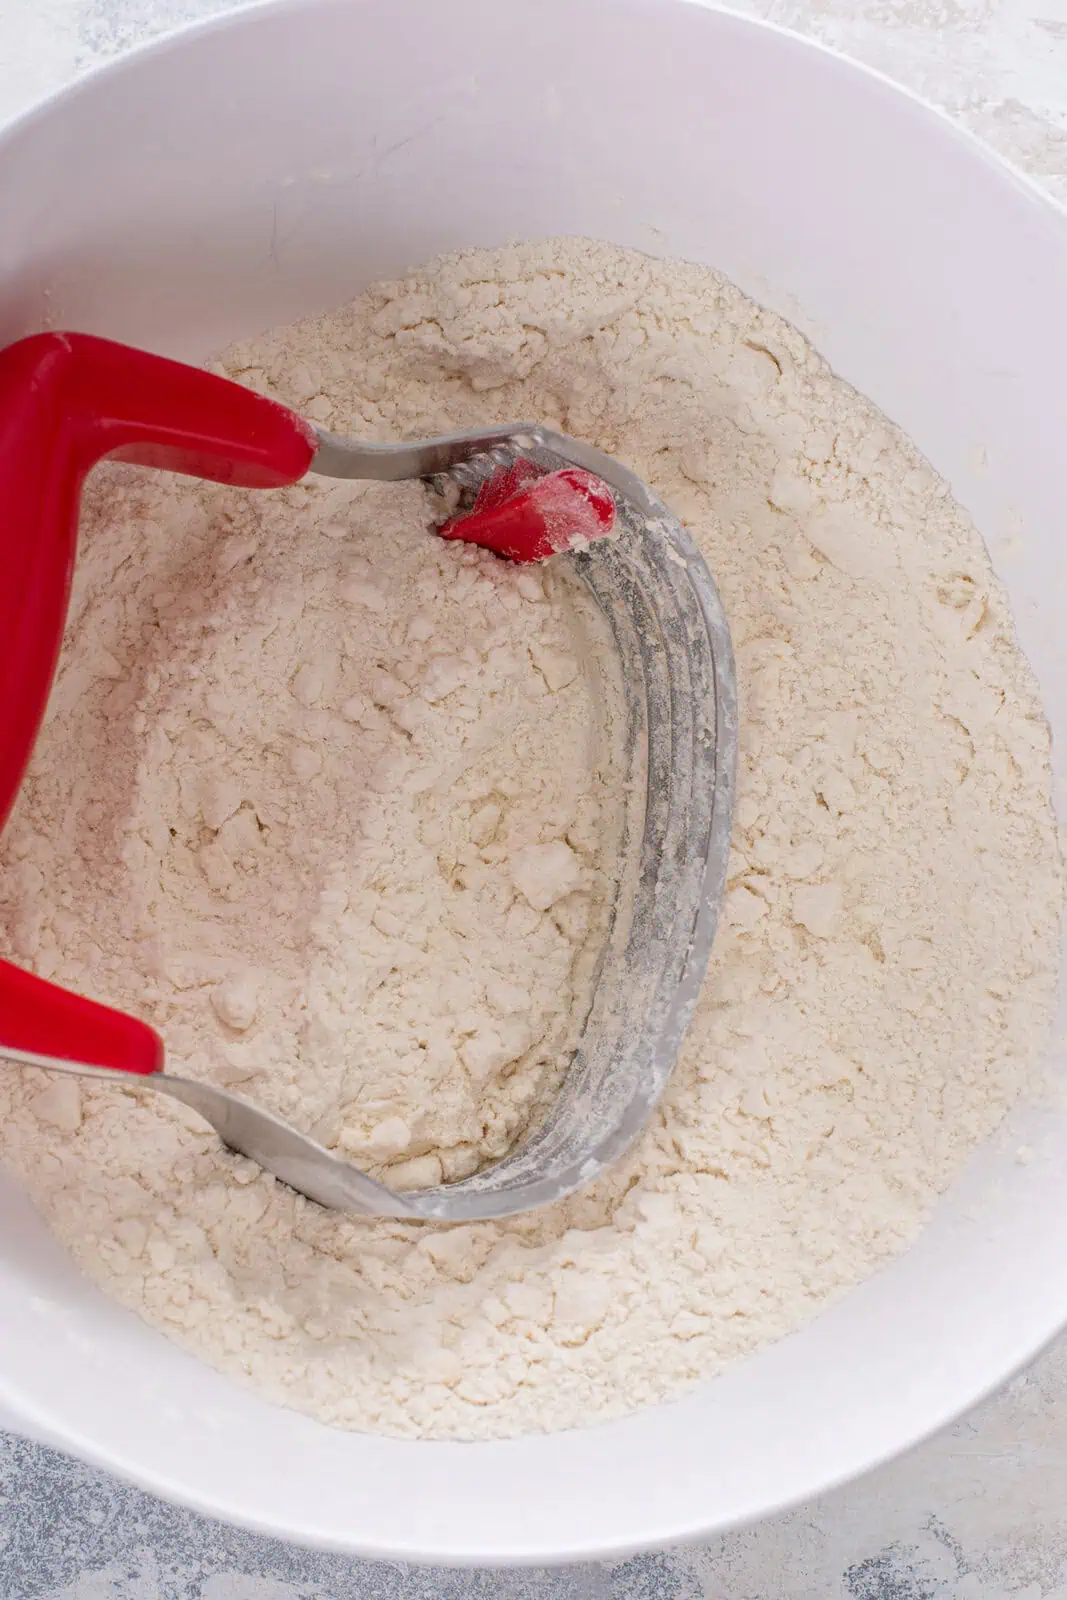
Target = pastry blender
(68,400)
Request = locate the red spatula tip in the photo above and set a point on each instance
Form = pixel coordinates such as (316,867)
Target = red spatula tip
(528,515)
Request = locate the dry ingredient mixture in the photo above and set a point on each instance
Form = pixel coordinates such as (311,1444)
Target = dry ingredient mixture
(329,802)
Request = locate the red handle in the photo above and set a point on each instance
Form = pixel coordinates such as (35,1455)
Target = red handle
(49,1021)
(67,400)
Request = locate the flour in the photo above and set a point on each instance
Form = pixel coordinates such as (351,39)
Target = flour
(329,801)
(318,779)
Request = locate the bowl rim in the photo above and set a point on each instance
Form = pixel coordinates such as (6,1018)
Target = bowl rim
(48,1429)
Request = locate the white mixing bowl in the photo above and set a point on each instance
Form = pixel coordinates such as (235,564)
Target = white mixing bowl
(271,163)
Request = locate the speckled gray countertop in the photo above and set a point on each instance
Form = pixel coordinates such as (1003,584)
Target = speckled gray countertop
(980,1513)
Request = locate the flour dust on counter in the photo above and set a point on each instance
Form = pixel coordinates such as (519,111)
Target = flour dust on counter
(333,804)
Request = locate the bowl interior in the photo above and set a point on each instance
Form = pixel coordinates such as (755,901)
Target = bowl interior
(271,164)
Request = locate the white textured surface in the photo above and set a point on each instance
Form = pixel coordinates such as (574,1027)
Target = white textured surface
(979,1513)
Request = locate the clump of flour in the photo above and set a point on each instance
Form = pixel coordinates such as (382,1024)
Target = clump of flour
(331,803)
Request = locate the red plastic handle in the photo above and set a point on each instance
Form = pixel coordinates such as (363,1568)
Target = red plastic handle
(66,401)
(49,1021)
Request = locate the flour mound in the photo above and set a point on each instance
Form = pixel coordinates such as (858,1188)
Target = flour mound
(330,802)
